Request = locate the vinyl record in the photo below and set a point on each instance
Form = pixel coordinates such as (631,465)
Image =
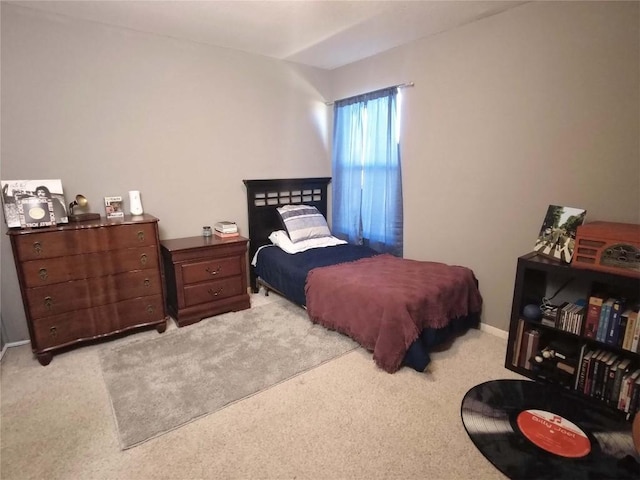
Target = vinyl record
(532,430)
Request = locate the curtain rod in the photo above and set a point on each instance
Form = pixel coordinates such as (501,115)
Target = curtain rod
(400,85)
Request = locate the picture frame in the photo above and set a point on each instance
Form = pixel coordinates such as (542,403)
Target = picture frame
(557,236)
(113,207)
(33,203)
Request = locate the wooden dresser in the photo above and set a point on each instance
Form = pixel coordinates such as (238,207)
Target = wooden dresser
(205,276)
(89,280)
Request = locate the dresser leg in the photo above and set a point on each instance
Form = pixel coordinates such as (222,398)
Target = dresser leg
(44,358)
(161,327)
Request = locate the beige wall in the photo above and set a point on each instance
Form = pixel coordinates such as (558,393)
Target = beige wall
(109,110)
(536,106)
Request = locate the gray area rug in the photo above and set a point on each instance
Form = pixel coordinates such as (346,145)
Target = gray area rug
(159,384)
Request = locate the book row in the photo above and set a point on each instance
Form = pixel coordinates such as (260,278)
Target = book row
(568,317)
(609,377)
(613,322)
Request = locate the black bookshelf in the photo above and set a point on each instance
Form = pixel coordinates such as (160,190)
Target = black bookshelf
(536,278)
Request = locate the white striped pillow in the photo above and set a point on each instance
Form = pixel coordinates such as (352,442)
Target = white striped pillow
(303,222)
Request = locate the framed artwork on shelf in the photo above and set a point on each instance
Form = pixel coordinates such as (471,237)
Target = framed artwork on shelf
(113,207)
(33,203)
(557,237)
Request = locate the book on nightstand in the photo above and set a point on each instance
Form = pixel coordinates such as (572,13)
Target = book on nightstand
(226,227)
(226,235)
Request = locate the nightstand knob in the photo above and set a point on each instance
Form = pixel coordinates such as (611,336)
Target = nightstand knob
(141,235)
(216,293)
(48,302)
(43,273)
(213,272)
(143,259)
(150,309)
(53,331)
(37,247)
(147,282)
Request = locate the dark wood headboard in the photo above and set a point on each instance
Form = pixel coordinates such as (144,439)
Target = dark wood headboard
(264,196)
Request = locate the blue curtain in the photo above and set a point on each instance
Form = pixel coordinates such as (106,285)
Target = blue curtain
(367,178)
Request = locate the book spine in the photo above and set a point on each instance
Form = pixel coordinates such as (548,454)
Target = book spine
(634,404)
(532,337)
(584,367)
(632,384)
(593,316)
(604,321)
(576,380)
(635,344)
(609,377)
(596,386)
(628,390)
(622,329)
(515,360)
(589,379)
(623,368)
(624,388)
(614,323)
(630,330)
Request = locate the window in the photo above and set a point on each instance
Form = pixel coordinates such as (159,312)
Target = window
(367,180)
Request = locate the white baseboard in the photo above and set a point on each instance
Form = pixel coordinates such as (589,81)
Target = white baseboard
(494,331)
(12,344)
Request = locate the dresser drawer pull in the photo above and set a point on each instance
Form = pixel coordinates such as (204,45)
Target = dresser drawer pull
(143,259)
(141,235)
(37,247)
(217,292)
(48,302)
(43,273)
(150,309)
(147,282)
(213,272)
(53,331)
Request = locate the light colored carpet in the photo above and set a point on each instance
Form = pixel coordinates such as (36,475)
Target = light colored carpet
(345,419)
(160,384)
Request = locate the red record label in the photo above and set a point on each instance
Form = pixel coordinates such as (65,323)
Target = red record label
(554,433)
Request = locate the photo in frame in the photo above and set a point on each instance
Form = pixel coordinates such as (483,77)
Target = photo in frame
(557,237)
(113,207)
(33,203)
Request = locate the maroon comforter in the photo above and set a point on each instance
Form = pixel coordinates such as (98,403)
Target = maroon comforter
(384,302)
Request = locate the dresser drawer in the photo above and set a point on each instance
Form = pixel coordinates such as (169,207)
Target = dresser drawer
(62,243)
(60,330)
(212,291)
(209,269)
(77,267)
(92,292)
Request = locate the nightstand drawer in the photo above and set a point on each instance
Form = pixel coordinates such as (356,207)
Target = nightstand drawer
(212,291)
(211,269)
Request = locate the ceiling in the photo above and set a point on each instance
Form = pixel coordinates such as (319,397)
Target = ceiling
(323,34)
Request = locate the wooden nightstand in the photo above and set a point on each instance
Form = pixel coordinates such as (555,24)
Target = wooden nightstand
(205,276)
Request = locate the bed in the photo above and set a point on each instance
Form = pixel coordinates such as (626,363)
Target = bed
(399,309)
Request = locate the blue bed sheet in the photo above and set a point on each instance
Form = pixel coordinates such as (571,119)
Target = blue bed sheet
(287,272)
